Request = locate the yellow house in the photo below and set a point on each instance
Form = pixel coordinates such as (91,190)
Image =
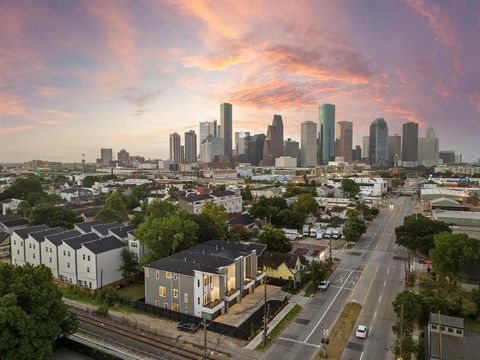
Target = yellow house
(286,267)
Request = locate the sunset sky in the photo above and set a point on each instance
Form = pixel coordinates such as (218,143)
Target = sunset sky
(79,75)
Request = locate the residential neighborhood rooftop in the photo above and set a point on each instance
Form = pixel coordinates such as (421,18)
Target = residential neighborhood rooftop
(104,244)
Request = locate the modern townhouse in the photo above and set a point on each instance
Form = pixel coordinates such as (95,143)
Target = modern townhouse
(193,203)
(121,232)
(8,223)
(102,229)
(18,242)
(86,227)
(204,280)
(67,265)
(34,242)
(99,261)
(134,246)
(50,254)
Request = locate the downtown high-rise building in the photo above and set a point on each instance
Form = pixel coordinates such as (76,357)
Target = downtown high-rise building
(357,153)
(190,147)
(123,158)
(378,145)
(106,156)
(326,133)
(428,148)
(226,129)
(208,128)
(175,148)
(255,147)
(273,147)
(308,139)
(365,147)
(344,140)
(291,148)
(410,144)
(447,156)
(394,149)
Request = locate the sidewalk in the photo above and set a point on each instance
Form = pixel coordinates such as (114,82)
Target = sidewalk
(299,299)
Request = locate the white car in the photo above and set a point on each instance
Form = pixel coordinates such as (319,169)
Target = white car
(361,332)
(324,285)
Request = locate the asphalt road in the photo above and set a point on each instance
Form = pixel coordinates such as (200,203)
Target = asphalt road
(370,273)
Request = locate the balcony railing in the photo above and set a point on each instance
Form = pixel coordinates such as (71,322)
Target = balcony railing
(213,306)
(231,294)
(260,275)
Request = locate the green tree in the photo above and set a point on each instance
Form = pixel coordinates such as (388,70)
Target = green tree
(354,228)
(159,209)
(417,233)
(137,220)
(32,313)
(316,271)
(167,235)
(22,187)
(114,209)
(52,216)
(247,194)
(350,188)
(24,209)
(305,205)
(476,299)
(452,252)
(275,240)
(413,306)
(129,264)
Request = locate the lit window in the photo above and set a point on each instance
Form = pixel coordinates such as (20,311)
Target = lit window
(162,291)
(168,275)
(175,307)
(175,293)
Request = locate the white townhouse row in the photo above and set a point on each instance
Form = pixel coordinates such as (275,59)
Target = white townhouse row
(89,256)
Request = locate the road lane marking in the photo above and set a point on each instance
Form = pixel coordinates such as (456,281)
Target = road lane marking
(328,308)
(388,270)
(380,298)
(384,283)
(375,315)
(361,355)
(299,342)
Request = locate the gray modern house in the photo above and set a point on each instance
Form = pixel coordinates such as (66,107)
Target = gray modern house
(204,280)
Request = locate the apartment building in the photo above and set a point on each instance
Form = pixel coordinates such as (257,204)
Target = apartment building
(17,240)
(204,280)
(193,203)
(51,257)
(34,242)
(368,186)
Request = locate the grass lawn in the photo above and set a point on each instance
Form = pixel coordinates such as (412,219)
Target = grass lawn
(281,325)
(472,325)
(341,330)
(134,291)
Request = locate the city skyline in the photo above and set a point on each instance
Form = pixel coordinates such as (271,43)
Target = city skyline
(131,71)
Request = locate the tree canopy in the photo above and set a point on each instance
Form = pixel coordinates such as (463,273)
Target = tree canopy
(350,188)
(275,240)
(305,205)
(114,209)
(452,252)
(418,231)
(129,265)
(52,216)
(22,187)
(32,313)
(354,228)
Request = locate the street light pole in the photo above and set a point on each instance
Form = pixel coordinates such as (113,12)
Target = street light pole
(265,314)
(205,339)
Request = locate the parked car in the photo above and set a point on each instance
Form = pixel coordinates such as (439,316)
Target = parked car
(324,285)
(320,234)
(361,332)
(187,327)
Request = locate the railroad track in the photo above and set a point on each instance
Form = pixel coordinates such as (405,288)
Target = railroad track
(149,344)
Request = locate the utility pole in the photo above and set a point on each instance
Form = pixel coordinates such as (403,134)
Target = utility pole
(265,314)
(205,339)
(330,253)
(440,336)
(401,330)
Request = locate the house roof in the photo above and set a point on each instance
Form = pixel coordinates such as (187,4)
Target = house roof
(39,236)
(244,219)
(447,320)
(23,233)
(454,347)
(87,225)
(58,238)
(122,231)
(447,202)
(195,197)
(103,228)
(13,220)
(104,244)
(241,246)
(221,193)
(180,266)
(4,236)
(76,242)
(276,259)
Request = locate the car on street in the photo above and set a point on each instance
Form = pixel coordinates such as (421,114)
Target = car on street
(361,332)
(324,285)
(187,327)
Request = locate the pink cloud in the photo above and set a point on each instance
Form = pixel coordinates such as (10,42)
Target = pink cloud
(15,129)
(11,105)
(49,92)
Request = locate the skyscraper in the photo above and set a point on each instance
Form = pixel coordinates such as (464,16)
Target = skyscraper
(273,147)
(326,133)
(447,156)
(211,148)
(175,148)
(394,149)
(255,149)
(308,138)
(357,153)
(226,129)
(378,147)
(292,148)
(410,144)
(190,147)
(428,148)
(366,147)
(344,140)
(106,156)
(123,157)
(208,128)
